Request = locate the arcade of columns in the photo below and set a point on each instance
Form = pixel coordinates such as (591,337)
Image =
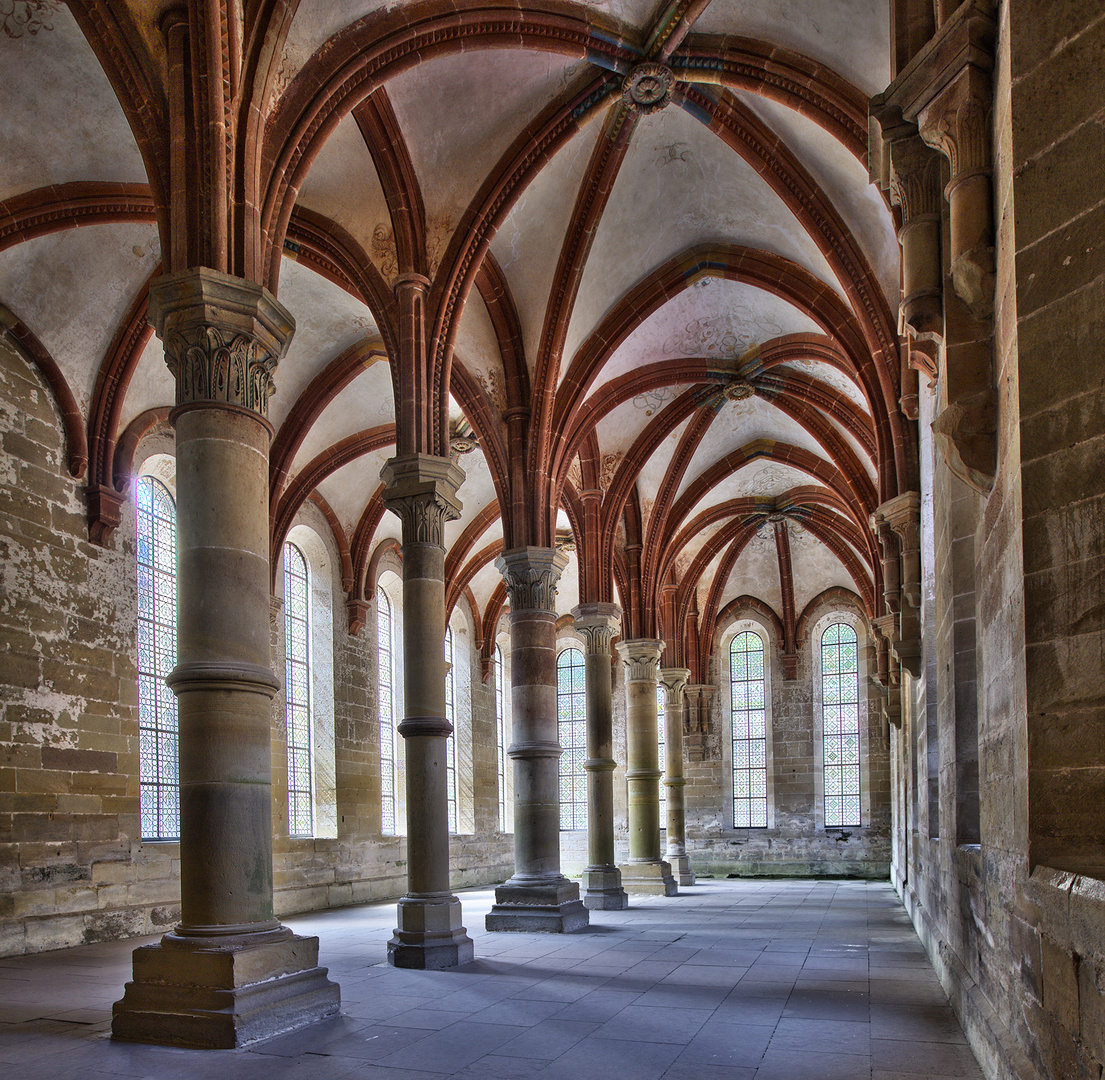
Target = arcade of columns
(230,972)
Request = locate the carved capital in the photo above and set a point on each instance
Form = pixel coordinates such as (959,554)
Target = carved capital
(223,338)
(598,625)
(902,515)
(531,575)
(957,123)
(422,492)
(915,179)
(641,658)
(673,680)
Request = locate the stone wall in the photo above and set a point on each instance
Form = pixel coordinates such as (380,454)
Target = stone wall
(1015,923)
(73,867)
(797,843)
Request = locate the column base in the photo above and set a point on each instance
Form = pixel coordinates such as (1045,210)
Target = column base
(538,907)
(653,878)
(681,869)
(602,889)
(430,936)
(218,994)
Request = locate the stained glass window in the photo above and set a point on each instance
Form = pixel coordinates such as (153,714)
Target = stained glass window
(747,685)
(571,726)
(840,724)
(158,779)
(661,717)
(451,741)
(297,691)
(385,642)
(500,729)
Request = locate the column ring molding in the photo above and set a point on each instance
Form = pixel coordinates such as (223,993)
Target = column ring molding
(600,764)
(413,726)
(644,774)
(535,750)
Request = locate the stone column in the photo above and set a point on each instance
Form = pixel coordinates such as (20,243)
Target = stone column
(537,898)
(673,680)
(645,872)
(598,625)
(422,492)
(229,973)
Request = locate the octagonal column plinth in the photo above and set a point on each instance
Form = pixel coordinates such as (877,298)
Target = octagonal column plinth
(422,491)
(598,625)
(229,973)
(646,871)
(537,897)
(673,680)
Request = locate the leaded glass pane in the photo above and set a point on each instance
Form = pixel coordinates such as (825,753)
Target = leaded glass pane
(571,712)
(500,728)
(748,700)
(159,799)
(297,691)
(840,725)
(385,672)
(451,741)
(661,719)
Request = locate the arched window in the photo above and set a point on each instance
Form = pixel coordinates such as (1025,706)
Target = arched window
(297,692)
(571,727)
(748,697)
(661,718)
(451,741)
(158,777)
(385,643)
(840,725)
(500,730)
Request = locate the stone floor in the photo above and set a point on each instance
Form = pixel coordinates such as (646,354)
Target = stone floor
(731,980)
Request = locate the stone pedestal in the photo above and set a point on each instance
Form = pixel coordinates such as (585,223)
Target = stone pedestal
(537,897)
(422,491)
(598,624)
(645,872)
(673,680)
(229,973)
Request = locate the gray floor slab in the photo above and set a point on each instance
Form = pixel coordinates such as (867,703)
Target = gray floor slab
(755,979)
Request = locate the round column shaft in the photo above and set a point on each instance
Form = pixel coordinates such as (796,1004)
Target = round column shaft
(673,680)
(421,491)
(598,624)
(537,897)
(223,338)
(645,871)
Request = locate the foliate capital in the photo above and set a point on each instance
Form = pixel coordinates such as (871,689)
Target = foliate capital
(531,575)
(223,337)
(957,123)
(598,625)
(421,490)
(902,515)
(641,658)
(915,179)
(673,680)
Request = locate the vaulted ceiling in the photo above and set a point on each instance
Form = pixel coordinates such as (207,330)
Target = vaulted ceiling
(653,248)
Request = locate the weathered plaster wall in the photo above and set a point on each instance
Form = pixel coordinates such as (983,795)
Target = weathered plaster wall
(1015,925)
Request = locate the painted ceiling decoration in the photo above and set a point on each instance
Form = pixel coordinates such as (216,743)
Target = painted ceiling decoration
(624,265)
